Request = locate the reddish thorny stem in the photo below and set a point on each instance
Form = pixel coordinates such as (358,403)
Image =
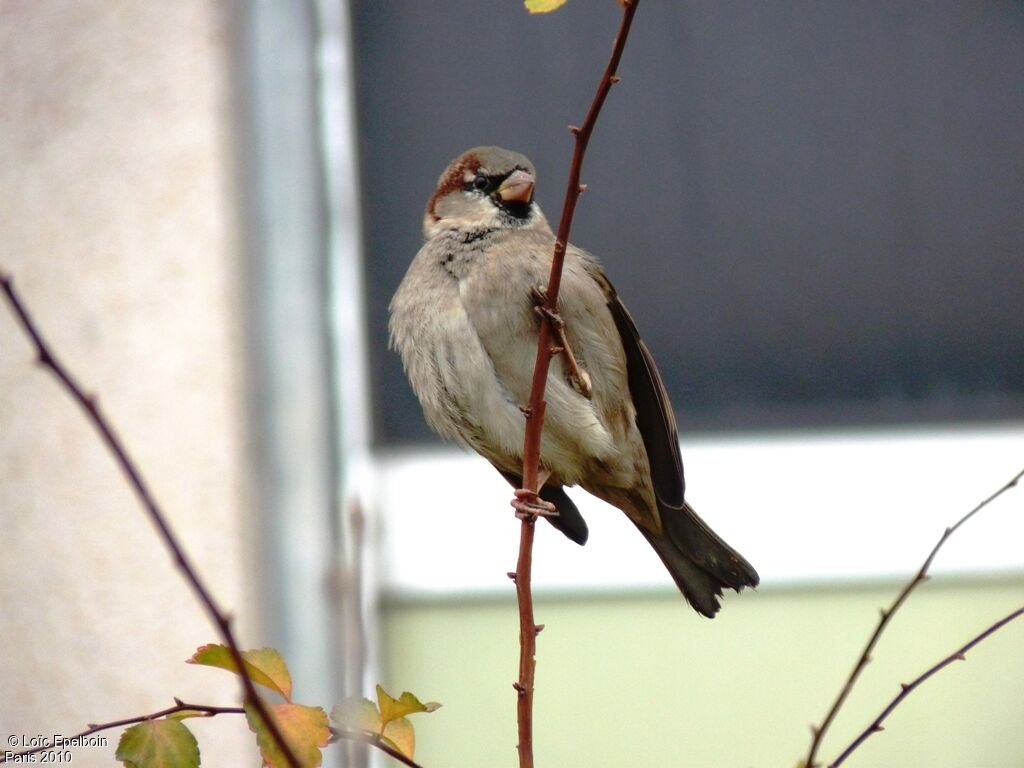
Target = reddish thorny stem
(528,629)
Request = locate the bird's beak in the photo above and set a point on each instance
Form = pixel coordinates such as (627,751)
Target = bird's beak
(517,187)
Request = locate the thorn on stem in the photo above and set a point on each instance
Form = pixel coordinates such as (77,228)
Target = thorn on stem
(574,130)
(538,628)
(904,687)
(961,656)
(526,410)
(520,688)
(91,725)
(583,188)
(614,79)
(179,702)
(554,349)
(883,613)
(511,575)
(876,728)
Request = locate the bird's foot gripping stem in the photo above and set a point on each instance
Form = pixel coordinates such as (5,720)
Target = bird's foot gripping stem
(579,378)
(528,504)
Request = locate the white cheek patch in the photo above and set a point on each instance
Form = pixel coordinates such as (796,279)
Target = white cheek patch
(468,176)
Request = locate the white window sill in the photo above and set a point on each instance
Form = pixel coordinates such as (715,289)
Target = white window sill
(805,507)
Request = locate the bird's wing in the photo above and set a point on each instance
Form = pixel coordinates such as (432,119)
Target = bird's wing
(654,416)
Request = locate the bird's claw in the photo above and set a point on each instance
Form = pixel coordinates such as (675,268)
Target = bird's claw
(578,378)
(539,293)
(580,381)
(528,504)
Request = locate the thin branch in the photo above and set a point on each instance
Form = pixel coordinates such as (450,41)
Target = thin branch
(886,617)
(960,654)
(179,706)
(89,404)
(374,740)
(528,629)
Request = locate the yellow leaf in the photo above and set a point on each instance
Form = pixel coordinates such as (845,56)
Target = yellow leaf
(544,6)
(406,704)
(265,665)
(304,728)
(400,735)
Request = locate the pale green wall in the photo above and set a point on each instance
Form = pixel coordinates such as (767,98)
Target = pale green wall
(643,681)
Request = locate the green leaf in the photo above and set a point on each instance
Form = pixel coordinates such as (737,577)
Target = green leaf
(304,728)
(186,713)
(265,665)
(544,6)
(158,744)
(406,704)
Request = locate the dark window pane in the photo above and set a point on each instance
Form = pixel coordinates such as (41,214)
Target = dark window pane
(814,209)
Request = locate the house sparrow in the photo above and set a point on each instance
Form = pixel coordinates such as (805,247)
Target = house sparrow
(464,321)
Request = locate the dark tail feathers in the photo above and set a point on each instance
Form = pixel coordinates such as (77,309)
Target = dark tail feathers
(701,564)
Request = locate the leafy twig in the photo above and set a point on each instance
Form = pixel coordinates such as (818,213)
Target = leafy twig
(906,688)
(886,617)
(179,706)
(528,629)
(349,734)
(374,740)
(89,404)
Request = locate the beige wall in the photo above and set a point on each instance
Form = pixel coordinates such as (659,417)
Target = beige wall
(117,220)
(642,681)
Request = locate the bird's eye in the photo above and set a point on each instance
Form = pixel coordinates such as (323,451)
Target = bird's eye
(481,183)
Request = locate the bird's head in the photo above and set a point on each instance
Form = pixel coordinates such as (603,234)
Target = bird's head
(484,188)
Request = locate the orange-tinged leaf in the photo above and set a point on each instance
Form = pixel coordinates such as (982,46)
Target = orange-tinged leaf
(265,665)
(400,734)
(359,715)
(158,744)
(544,6)
(406,704)
(304,728)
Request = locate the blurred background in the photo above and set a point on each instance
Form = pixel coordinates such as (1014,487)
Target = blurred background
(813,210)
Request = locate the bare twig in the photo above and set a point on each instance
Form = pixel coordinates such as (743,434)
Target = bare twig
(374,740)
(960,654)
(179,706)
(818,733)
(89,404)
(528,628)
